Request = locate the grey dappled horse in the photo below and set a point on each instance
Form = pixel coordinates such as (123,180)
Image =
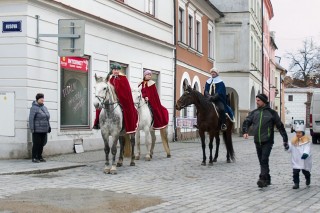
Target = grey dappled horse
(146,125)
(111,123)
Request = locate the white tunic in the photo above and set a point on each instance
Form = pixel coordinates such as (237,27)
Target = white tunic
(303,146)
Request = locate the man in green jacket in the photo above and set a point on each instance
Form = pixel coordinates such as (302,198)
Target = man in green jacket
(263,119)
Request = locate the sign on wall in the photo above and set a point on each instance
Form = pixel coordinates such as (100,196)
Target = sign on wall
(11,26)
(7,113)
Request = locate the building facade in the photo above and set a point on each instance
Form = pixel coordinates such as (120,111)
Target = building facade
(244,52)
(115,31)
(195,53)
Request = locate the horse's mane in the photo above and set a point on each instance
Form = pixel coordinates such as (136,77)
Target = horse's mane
(204,102)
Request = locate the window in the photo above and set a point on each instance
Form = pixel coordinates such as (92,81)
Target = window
(252,61)
(198,31)
(190,30)
(180,27)
(151,7)
(290,98)
(74,92)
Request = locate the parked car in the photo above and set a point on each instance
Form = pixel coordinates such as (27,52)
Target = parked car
(315,117)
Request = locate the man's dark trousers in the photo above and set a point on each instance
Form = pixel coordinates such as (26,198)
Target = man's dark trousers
(263,152)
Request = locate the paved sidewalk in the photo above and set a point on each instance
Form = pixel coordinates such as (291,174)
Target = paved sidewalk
(180,181)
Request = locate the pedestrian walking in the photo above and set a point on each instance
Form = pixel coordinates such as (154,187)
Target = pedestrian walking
(263,119)
(300,149)
(39,124)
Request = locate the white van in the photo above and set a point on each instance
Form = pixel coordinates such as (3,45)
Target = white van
(315,117)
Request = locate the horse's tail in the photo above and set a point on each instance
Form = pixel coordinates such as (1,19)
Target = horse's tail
(227,137)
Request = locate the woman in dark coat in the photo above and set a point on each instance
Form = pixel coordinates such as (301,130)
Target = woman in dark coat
(39,125)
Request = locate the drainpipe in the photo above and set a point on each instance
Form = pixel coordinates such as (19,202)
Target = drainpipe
(175,71)
(262,47)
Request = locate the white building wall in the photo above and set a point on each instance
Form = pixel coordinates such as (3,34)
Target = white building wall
(27,68)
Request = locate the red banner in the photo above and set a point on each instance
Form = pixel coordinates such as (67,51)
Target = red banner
(74,63)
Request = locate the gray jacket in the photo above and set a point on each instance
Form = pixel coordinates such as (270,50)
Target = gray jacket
(39,118)
(263,121)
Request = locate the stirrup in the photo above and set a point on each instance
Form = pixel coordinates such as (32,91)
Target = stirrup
(224,127)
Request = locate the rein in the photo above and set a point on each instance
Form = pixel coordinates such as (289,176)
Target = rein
(139,105)
(104,104)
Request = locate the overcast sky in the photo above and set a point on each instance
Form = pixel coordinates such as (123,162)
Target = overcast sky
(293,21)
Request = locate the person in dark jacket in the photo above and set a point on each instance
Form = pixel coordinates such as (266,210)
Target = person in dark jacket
(215,90)
(39,125)
(263,119)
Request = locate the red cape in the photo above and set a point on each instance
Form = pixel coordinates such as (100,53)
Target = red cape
(160,113)
(123,91)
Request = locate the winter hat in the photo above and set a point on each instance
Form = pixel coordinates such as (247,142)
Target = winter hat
(147,72)
(39,95)
(115,66)
(263,98)
(214,69)
(300,128)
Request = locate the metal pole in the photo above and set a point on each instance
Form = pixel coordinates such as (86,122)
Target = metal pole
(262,67)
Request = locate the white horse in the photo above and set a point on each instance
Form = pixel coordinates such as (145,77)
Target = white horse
(111,123)
(146,125)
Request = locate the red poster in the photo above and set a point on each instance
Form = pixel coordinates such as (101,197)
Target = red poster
(74,63)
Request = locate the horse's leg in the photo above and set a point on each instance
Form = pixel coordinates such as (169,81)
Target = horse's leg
(121,141)
(217,147)
(153,140)
(138,145)
(105,137)
(113,169)
(211,135)
(133,141)
(165,142)
(203,144)
(148,143)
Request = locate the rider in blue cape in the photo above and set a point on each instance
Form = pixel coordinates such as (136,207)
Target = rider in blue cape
(215,90)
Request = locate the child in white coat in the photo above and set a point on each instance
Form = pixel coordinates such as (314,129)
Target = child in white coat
(300,148)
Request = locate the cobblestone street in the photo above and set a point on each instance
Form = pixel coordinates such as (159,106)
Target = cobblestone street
(180,182)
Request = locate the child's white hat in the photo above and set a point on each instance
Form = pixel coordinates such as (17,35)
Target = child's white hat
(300,128)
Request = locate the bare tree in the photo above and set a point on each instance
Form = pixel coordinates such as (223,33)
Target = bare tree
(305,63)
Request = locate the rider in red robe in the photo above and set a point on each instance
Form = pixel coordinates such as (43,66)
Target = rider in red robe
(123,91)
(150,94)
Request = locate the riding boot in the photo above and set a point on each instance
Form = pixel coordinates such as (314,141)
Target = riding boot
(223,120)
(96,124)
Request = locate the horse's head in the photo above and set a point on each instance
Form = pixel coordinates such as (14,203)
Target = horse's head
(136,95)
(186,99)
(103,92)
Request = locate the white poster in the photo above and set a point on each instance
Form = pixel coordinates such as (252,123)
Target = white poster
(6,113)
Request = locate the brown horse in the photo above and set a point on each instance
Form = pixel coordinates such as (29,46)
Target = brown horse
(207,121)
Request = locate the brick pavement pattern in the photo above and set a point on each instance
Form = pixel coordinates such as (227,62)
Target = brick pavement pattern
(180,181)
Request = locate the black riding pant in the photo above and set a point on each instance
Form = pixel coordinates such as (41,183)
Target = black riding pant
(296,172)
(263,152)
(38,140)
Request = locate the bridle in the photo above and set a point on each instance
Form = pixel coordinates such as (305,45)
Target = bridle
(106,103)
(184,106)
(139,105)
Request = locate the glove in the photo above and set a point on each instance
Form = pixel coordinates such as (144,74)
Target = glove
(286,145)
(49,130)
(304,156)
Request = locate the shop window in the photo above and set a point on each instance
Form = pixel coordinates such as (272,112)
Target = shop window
(74,92)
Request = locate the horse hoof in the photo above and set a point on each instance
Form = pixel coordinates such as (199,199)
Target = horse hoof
(147,158)
(214,160)
(137,157)
(113,170)
(106,170)
(203,163)
(168,156)
(132,164)
(119,164)
(228,161)
(151,156)
(211,163)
